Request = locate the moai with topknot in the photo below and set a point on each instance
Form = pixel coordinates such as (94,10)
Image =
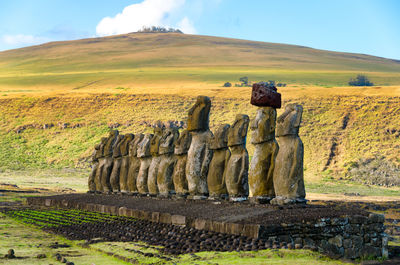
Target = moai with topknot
(155,161)
(199,155)
(261,181)
(134,164)
(167,163)
(288,173)
(123,173)
(179,175)
(108,161)
(236,171)
(100,158)
(218,143)
(143,153)
(114,178)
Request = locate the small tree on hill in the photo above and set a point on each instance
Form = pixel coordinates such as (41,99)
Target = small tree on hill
(244,80)
(360,80)
(227,84)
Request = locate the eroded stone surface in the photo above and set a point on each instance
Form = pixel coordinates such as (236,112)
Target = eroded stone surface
(198,119)
(262,165)
(143,153)
(236,173)
(114,178)
(218,143)
(265,96)
(123,174)
(134,163)
(107,162)
(179,175)
(94,177)
(155,161)
(288,173)
(168,160)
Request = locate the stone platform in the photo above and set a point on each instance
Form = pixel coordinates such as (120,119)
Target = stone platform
(337,231)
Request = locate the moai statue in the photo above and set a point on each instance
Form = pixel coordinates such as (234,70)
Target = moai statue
(167,163)
(288,173)
(155,161)
(179,176)
(261,182)
(199,155)
(143,153)
(114,178)
(95,166)
(108,161)
(236,171)
(134,164)
(218,143)
(123,173)
(100,158)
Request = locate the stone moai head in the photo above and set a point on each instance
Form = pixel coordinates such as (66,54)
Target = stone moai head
(238,131)
(155,141)
(133,145)
(219,139)
(143,149)
(199,114)
(182,144)
(111,139)
(289,122)
(263,125)
(125,144)
(100,151)
(117,146)
(168,139)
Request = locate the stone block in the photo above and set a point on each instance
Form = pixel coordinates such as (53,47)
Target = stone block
(357,242)
(235,229)
(165,218)
(200,224)
(340,221)
(347,243)
(251,230)
(64,203)
(48,202)
(337,241)
(358,219)
(370,252)
(122,211)
(129,212)
(376,218)
(146,215)
(155,217)
(178,220)
(351,253)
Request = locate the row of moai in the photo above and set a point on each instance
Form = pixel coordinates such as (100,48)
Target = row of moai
(199,164)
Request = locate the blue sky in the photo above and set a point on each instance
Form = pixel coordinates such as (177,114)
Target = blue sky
(362,26)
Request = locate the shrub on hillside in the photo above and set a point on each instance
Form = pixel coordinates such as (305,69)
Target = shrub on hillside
(374,171)
(360,80)
(227,84)
(155,29)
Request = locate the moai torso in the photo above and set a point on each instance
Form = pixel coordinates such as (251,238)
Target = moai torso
(123,174)
(95,166)
(100,158)
(218,143)
(262,165)
(134,163)
(288,173)
(167,162)
(117,155)
(108,161)
(143,153)
(236,171)
(199,155)
(179,176)
(155,161)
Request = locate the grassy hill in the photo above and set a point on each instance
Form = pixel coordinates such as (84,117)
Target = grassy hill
(58,99)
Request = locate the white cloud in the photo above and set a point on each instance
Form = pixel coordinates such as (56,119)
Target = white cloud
(147,13)
(21,39)
(186,26)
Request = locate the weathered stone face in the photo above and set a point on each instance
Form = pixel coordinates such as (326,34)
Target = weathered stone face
(179,175)
(155,141)
(263,126)
(182,144)
(108,148)
(143,149)
(215,178)
(164,176)
(167,141)
(198,119)
(238,131)
(117,146)
(133,145)
(125,144)
(288,172)
(289,122)
(219,139)
(265,96)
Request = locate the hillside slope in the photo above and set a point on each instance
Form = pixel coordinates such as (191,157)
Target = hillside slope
(137,59)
